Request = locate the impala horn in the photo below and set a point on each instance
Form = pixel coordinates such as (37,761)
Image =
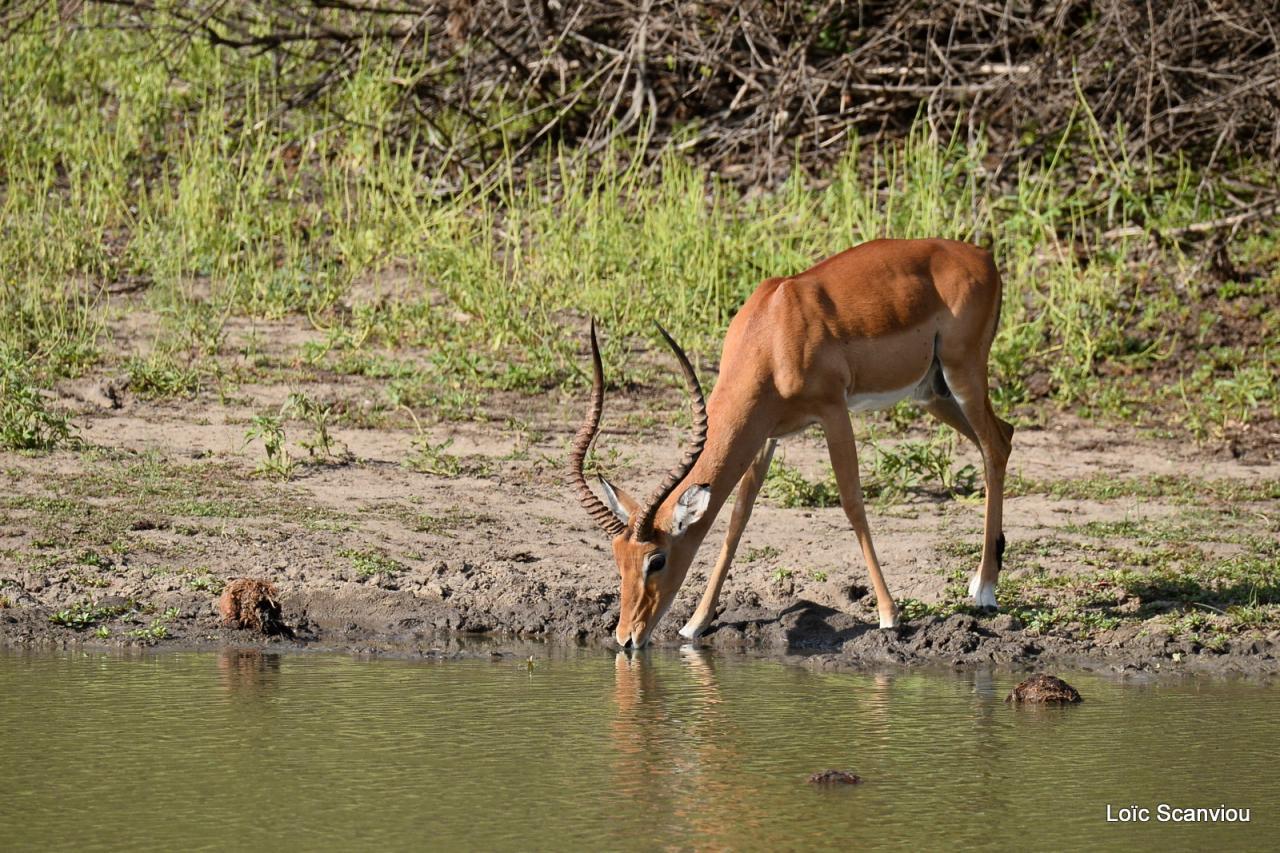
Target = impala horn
(642,528)
(595,507)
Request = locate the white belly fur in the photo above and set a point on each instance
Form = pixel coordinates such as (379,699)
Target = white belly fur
(884,399)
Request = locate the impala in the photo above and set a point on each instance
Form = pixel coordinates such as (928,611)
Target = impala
(873,325)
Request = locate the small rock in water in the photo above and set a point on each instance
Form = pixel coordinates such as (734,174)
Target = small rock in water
(1044,689)
(251,603)
(835,777)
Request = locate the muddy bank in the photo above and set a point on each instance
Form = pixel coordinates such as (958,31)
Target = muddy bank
(409,622)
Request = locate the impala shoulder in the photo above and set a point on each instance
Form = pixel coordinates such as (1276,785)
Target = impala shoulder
(792,293)
(760,312)
(974,255)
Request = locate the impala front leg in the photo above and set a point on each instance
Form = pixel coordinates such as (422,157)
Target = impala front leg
(748,489)
(844,460)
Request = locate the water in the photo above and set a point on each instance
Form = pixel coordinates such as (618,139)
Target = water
(244,750)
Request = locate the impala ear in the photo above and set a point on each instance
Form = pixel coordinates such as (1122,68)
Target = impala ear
(622,504)
(689,508)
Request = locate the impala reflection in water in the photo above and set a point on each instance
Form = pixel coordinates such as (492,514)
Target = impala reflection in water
(657,750)
(671,733)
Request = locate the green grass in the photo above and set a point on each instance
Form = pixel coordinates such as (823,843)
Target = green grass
(787,487)
(368,564)
(26,422)
(1208,573)
(160,376)
(90,517)
(767,552)
(889,473)
(444,523)
(912,465)
(123,172)
(1180,489)
(156,630)
(86,614)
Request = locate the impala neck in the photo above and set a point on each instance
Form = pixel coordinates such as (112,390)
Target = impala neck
(734,438)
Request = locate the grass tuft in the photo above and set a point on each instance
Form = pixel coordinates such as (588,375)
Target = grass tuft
(26,423)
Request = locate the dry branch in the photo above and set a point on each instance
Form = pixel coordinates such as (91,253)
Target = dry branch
(747,84)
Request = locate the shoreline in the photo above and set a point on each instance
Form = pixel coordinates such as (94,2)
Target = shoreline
(803,633)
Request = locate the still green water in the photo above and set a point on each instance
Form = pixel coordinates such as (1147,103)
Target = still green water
(241,750)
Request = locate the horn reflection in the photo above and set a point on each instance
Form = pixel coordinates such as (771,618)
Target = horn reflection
(676,747)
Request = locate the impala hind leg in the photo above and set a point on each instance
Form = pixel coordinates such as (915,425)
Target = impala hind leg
(947,410)
(994,438)
(844,461)
(748,489)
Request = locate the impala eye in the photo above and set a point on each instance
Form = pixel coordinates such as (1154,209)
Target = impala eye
(656,563)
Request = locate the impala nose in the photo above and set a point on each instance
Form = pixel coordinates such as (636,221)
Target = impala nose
(624,644)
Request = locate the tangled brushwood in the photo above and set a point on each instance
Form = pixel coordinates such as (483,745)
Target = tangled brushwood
(749,86)
(252,604)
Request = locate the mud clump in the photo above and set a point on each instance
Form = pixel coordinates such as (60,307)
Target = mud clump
(834,777)
(252,604)
(1042,689)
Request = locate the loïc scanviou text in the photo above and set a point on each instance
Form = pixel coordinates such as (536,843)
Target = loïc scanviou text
(1166,813)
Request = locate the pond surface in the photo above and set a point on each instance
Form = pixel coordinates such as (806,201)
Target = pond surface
(245,750)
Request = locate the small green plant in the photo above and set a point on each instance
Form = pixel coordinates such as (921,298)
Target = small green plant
(1253,615)
(25,422)
(906,466)
(90,580)
(93,558)
(428,458)
(270,430)
(370,563)
(319,417)
(781,574)
(102,632)
(753,555)
(159,375)
(157,630)
(1216,642)
(86,614)
(913,608)
(207,583)
(791,489)
(819,575)
(444,523)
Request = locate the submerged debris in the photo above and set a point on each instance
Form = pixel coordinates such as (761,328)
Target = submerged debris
(253,604)
(835,777)
(1044,689)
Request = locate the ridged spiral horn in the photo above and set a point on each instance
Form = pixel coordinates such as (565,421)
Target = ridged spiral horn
(595,507)
(642,526)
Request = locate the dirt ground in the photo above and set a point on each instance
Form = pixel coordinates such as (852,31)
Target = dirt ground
(129,539)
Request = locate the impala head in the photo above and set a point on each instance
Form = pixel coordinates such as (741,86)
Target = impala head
(649,543)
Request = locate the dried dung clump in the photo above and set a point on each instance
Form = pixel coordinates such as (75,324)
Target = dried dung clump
(835,777)
(253,604)
(1044,689)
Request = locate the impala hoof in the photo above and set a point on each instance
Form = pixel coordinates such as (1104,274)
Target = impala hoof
(890,621)
(983,594)
(694,629)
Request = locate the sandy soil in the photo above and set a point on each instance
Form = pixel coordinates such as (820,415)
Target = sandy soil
(369,554)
